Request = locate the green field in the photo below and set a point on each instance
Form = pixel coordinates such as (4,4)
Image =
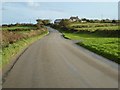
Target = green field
(93,26)
(107,47)
(19,28)
(101,38)
(98,28)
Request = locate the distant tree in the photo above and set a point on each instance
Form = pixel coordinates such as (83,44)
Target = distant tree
(39,23)
(87,20)
(103,20)
(114,21)
(107,20)
(17,24)
(64,22)
(46,22)
(96,21)
(83,19)
(91,21)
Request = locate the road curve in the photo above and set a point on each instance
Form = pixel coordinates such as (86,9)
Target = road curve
(55,62)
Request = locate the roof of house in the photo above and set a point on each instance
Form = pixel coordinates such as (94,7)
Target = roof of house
(74,17)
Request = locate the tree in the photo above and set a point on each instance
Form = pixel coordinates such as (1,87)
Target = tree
(87,20)
(39,23)
(113,21)
(46,22)
(17,24)
(91,21)
(83,19)
(103,20)
(96,21)
(64,22)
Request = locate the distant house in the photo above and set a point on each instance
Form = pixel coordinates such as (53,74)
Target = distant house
(73,19)
(57,21)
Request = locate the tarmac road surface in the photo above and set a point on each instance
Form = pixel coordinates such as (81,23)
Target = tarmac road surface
(55,62)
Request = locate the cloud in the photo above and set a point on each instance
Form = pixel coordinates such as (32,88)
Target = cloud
(31,3)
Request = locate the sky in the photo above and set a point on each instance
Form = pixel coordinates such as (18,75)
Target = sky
(28,12)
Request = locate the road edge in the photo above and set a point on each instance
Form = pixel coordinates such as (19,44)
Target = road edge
(13,61)
(91,53)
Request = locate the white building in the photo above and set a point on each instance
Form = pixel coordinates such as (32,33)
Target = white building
(73,19)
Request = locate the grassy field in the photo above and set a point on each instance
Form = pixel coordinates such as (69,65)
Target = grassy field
(107,47)
(13,28)
(98,28)
(91,24)
(15,33)
(101,38)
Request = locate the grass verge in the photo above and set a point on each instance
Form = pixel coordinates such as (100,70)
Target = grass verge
(104,46)
(13,49)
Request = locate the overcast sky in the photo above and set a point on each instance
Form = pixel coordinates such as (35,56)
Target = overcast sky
(25,12)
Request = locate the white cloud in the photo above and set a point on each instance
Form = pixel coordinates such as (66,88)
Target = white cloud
(31,3)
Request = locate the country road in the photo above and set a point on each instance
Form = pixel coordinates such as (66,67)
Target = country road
(55,62)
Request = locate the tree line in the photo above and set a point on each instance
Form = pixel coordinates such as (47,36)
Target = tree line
(40,23)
